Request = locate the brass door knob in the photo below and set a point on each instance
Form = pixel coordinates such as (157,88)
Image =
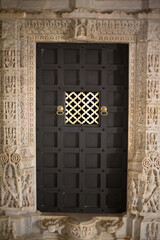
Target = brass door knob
(104,111)
(60,110)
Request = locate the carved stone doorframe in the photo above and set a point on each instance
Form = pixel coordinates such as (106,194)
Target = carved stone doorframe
(19,34)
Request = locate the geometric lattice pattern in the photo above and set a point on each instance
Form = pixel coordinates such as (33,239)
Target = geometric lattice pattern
(81,108)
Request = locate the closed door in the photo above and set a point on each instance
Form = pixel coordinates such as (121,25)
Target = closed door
(82,114)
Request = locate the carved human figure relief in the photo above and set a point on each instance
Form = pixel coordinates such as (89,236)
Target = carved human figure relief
(81,29)
(149,198)
(151,181)
(27,190)
(17,184)
(11,186)
(152,141)
(144,192)
(10,178)
(133,195)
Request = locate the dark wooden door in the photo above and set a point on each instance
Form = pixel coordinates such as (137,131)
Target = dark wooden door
(82,155)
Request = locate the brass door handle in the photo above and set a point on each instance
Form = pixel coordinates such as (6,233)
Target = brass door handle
(60,110)
(104,111)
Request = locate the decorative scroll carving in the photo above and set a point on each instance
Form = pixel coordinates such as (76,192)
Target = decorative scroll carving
(77,229)
(17,189)
(82,230)
(53,224)
(111,225)
(7,230)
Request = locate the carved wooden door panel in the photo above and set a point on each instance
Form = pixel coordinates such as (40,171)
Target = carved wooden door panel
(82,153)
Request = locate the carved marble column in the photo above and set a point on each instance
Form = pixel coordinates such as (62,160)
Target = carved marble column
(15,175)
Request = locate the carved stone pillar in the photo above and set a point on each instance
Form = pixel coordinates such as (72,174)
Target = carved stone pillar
(16,175)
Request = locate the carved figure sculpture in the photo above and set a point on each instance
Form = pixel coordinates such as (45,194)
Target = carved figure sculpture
(11,185)
(81,29)
(16,191)
(133,195)
(149,198)
(27,191)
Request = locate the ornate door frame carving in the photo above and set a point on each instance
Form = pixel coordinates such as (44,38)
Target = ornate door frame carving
(19,34)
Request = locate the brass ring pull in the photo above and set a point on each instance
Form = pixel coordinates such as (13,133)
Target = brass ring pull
(60,110)
(104,111)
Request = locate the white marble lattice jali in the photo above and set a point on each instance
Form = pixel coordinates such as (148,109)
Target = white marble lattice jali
(19,34)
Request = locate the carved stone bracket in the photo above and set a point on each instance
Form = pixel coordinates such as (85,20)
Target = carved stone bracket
(77,229)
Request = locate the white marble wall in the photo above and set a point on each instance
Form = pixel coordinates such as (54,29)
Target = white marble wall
(19,33)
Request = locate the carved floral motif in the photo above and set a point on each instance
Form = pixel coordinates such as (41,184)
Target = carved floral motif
(83,230)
